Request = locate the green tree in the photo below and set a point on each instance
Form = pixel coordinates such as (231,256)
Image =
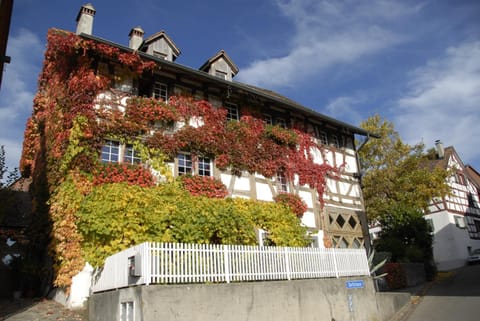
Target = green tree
(6,177)
(397,175)
(7,196)
(399,182)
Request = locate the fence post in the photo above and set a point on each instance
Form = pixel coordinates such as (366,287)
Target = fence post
(287,263)
(147,262)
(226,261)
(335,262)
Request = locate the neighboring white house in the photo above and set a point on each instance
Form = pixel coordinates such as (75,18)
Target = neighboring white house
(455,219)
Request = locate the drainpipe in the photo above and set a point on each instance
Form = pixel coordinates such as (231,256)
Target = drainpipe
(364,221)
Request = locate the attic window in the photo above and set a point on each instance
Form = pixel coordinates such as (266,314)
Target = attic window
(221,74)
(160,55)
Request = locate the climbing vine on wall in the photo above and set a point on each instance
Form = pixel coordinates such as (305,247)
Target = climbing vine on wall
(70,122)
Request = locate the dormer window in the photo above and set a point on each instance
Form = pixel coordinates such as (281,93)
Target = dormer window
(160,55)
(220,74)
(220,66)
(161,46)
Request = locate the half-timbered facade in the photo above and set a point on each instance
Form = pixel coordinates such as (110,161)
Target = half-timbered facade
(337,219)
(455,218)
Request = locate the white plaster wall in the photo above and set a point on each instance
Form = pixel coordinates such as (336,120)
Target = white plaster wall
(242,184)
(308,219)
(450,245)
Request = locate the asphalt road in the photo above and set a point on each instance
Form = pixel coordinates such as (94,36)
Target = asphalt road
(455,297)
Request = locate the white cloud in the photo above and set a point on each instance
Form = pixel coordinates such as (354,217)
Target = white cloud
(346,108)
(443,102)
(328,33)
(18,90)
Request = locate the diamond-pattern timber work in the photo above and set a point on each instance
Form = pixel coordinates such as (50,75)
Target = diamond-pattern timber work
(344,228)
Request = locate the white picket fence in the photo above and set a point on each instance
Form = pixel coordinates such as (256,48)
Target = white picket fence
(173,263)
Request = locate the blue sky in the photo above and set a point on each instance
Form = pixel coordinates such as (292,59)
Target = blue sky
(415,63)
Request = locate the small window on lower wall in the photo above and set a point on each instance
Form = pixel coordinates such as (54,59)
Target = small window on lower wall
(201,166)
(131,155)
(127,311)
(114,152)
(204,166)
(282,184)
(185,166)
(110,151)
(459,221)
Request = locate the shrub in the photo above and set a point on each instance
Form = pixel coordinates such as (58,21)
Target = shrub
(293,201)
(396,277)
(204,186)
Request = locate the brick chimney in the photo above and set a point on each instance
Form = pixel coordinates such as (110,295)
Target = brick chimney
(85,19)
(136,38)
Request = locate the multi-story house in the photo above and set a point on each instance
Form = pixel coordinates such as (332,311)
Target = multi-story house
(335,213)
(455,218)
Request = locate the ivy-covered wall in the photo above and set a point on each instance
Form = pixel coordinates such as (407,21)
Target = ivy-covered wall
(89,209)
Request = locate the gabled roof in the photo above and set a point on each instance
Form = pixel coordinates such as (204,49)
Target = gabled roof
(443,162)
(159,35)
(217,56)
(473,175)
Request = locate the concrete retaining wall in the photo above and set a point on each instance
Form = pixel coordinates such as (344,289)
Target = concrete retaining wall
(317,299)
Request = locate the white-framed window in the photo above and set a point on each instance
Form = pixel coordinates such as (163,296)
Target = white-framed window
(131,155)
(282,184)
(281,122)
(127,311)
(221,74)
(232,111)
(114,152)
(185,165)
(110,151)
(160,91)
(204,166)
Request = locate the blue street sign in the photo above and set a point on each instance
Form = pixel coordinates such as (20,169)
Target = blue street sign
(356,284)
